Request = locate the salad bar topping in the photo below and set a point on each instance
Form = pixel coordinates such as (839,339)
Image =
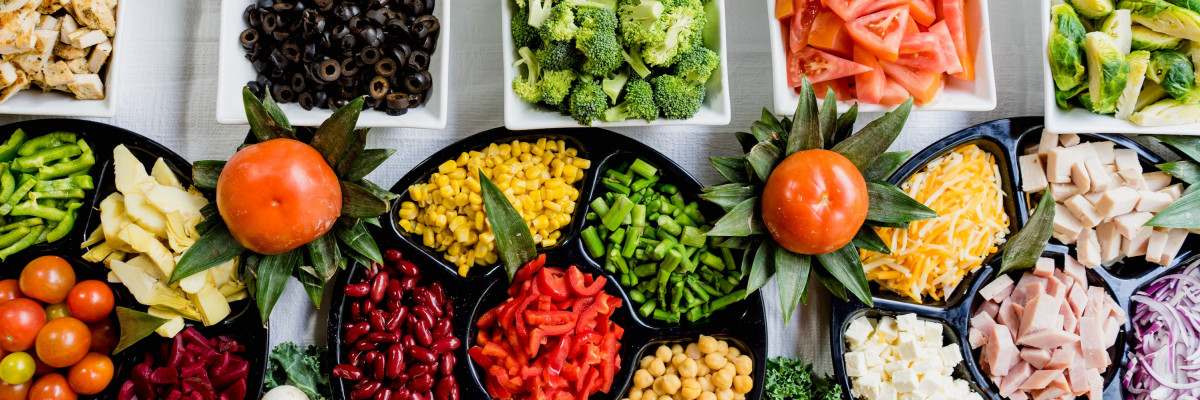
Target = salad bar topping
(302,369)
(1047,334)
(573,56)
(651,233)
(144,228)
(190,367)
(551,338)
(903,357)
(709,369)
(1161,362)
(325,53)
(447,213)
(1137,61)
(399,337)
(793,379)
(57,45)
(42,186)
(1103,199)
(932,257)
(885,50)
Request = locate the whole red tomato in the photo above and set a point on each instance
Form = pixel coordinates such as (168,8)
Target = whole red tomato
(20,321)
(47,278)
(278,195)
(10,289)
(105,336)
(814,202)
(90,301)
(14,392)
(91,374)
(63,342)
(52,387)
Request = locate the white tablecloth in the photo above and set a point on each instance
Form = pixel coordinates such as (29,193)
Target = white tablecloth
(168,93)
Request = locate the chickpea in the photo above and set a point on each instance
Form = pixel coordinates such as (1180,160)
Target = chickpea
(723,347)
(677,349)
(642,379)
(645,363)
(690,389)
(693,351)
(725,394)
(663,353)
(657,368)
(738,396)
(702,370)
(706,384)
(715,361)
(635,394)
(671,370)
(744,365)
(743,384)
(707,344)
(722,380)
(733,352)
(658,385)
(678,358)
(671,383)
(708,395)
(665,397)
(729,369)
(687,368)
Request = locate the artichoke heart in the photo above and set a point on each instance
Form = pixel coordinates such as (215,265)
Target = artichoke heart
(145,215)
(211,303)
(174,323)
(164,176)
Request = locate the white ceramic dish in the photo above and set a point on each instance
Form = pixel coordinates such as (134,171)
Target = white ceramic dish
(958,95)
(520,115)
(33,101)
(236,71)
(1077,119)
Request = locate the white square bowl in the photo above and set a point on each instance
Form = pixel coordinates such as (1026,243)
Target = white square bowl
(521,115)
(1078,119)
(33,101)
(958,95)
(235,71)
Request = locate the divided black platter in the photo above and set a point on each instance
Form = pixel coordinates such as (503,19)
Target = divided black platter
(243,324)
(743,323)
(1006,140)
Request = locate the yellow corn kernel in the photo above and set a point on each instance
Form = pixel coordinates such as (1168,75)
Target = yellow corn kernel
(416,193)
(461,200)
(446,167)
(582,163)
(407,214)
(475,199)
(462,159)
(458,173)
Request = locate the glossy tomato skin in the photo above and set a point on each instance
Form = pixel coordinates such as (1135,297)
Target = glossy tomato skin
(56,311)
(91,375)
(814,202)
(48,279)
(52,387)
(90,301)
(278,195)
(20,321)
(105,336)
(14,392)
(10,289)
(63,342)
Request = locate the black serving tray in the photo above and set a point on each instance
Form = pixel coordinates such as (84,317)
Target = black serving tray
(243,323)
(1006,139)
(743,323)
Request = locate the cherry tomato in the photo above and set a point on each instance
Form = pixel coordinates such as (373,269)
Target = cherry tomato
(278,195)
(814,202)
(47,278)
(105,336)
(56,311)
(10,289)
(17,368)
(52,387)
(20,320)
(90,301)
(14,392)
(91,374)
(63,342)
(40,368)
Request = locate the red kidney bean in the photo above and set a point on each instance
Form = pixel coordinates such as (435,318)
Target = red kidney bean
(420,383)
(395,361)
(379,287)
(448,308)
(408,283)
(408,268)
(354,355)
(438,292)
(446,344)
(367,307)
(364,345)
(357,290)
(419,369)
(422,355)
(422,334)
(393,323)
(402,378)
(442,328)
(444,386)
(394,291)
(408,341)
(453,394)
(432,302)
(377,368)
(348,372)
(418,396)
(367,389)
(392,255)
(425,313)
(383,394)
(355,311)
(446,364)
(356,331)
(401,394)
(383,337)
(371,271)
(392,305)
(370,356)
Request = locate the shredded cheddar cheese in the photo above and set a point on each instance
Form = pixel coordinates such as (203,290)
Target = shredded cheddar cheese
(931,257)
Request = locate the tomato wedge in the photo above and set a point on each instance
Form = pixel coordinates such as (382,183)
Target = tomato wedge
(922,85)
(923,51)
(784,9)
(829,34)
(881,32)
(819,66)
(840,86)
(953,64)
(869,85)
(802,23)
(852,9)
(911,26)
(893,94)
(953,14)
(922,11)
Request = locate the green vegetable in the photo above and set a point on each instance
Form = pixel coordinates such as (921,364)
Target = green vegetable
(1118,26)
(1092,8)
(1173,71)
(34,209)
(1163,17)
(1108,71)
(793,379)
(697,65)
(1167,112)
(289,364)
(614,83)
(684,28)
(597,40)
(9,149)
(1139,62)
(1147,39)
(638,103)
(588,101)
(641,22)
(523,34)
(1193,5)
(1026,246)
(557,56)
(560,25)
(676,97)
(1151,93)
(135,326)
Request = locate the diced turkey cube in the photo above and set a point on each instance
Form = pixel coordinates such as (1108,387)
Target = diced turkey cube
(20,84)
(1126,159)
(50,23)
(67,27)
(1128,225)
(1087,249)
(99,56)
(84,38)
(1094,350)
(87,87)
(1104,151)
(1175,239)
(1176,191)
(1063,191)
(1136,245)
(1154,201)
(1068,139)
(1048,141)
(1083,210)
(1100,178)
(1039,314)
(69,52)
(1133,178)
(1156,180)
(1040,379)
(1156,246)
(1066,226)
(1033,174)
(78,66)
(1079,176)
(1110,242)
(1058,164)
(1117,201)
(8,74)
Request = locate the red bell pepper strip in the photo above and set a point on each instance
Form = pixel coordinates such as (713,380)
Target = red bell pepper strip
(550,317)
(576,278)
(584,338)
(552,282)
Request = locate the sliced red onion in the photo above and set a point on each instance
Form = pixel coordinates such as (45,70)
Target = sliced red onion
(1164,363)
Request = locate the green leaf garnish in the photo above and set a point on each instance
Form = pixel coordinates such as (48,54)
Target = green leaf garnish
(271,274)
(358,202)
(874,139)
(792,271)
(762,268)
(1026,246)
(885,165)
(1183,213)
(889,204)
(762,158)
(845,125)
(728,195)
(829,117)
(732,168)
(740,221)
(513,240)
(262,124)
(867,239)
(333,137)
(806,126)
(844,265)
(1187,171)
(1188,145)
(215,247)
(135,326)
(205,173)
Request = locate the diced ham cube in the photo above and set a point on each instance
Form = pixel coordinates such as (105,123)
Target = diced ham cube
(1056,288)
(1093,342)
(990,308)
(1048,141)
(1044,267)
(1117,201)
(1110,242)
(1076,270)
(1098,303)
(1049,338)
(1000,352)
(1010,315)
(1040,379)
(1063,356)
(1035,357)
(1070,320)
(1112,326)
(1039,314)
(1013,378)
(1033,174)
(976,338)
(1057,388)
(1068,139)
(1097,384)
(981,322)
(1027,287)
(999,289)
(1087,248)
(1077,377)
(1077,298)
(1066,226)
(1156,180)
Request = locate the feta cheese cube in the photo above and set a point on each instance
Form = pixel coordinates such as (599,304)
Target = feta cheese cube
(905,380)
(908,323)
(858,331)
(856,363)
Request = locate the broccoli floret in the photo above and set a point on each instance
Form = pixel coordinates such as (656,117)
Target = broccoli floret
(560,26)
(614,83)
(685,25)
(641,21)
(597,39)
(605,4)
(523,34)
(678,98)
(555,56)
(588,101)
(539,11)
(555,85)
(638,103)
(633,56)
(697,65)
(525,85)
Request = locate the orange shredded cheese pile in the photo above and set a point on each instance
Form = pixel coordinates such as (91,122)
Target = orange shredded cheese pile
(931,257)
